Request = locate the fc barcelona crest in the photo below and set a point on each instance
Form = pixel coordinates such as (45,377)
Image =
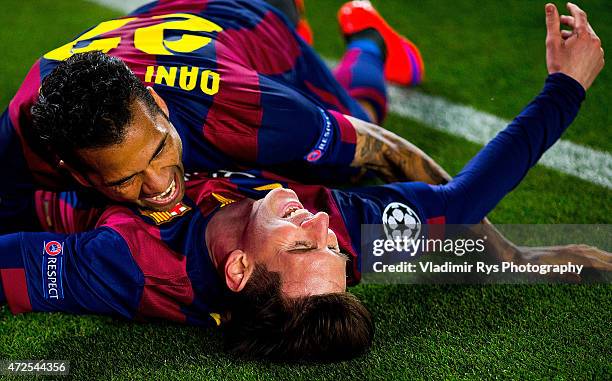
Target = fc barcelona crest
(163,217)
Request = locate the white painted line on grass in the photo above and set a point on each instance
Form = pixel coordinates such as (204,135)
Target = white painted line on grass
(476,126)
(125,6)
(479,127)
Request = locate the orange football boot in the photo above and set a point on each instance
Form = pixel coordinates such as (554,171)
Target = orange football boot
(303,28)
(404,64)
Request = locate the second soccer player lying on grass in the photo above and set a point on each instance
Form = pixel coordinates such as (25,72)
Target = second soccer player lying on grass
(277,256)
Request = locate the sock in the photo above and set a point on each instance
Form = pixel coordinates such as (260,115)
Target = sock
(369,34)
(361,73)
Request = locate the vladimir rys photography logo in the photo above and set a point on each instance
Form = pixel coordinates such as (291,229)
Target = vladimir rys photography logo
(53,256)
(400,222)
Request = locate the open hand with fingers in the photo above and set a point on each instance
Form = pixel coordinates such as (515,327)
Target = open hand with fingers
(576,52)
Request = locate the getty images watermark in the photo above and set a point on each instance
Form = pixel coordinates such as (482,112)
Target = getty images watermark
(414,253)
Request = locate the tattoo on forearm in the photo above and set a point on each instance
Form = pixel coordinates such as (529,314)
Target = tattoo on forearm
(393,158)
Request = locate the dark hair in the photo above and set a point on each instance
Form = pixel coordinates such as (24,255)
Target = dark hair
(264,324)
(85,102)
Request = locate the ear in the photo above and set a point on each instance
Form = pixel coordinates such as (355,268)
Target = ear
(237,270)
(81,179)
(160,102)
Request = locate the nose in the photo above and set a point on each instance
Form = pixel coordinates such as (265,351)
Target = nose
(155,181)
(317,228)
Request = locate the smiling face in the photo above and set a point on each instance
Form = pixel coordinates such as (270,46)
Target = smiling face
(145,168)
(289,239)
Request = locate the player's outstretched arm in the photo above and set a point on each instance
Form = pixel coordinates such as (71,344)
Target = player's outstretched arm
(392,157)
(504,161)
(576,53)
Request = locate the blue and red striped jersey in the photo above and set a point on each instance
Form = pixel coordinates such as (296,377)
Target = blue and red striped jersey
(138,264)
(149,265)
(242,89)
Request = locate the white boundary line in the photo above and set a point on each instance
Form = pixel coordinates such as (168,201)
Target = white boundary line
(125,6)
(476,126)
(479,127)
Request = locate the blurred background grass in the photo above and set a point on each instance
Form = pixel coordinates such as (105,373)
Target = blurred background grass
(489,55)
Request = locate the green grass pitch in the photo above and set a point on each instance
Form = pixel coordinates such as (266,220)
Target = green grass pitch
(486,54)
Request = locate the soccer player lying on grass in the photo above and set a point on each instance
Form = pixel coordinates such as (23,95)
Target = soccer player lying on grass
(279,260)
(232,86)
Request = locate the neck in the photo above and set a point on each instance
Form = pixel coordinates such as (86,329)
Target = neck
(225,229)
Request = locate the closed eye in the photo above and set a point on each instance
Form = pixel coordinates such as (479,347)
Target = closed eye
(301,247)
(123,182)
(304,247)
(160,149)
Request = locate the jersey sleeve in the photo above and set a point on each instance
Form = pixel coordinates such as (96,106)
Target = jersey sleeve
(87,273)
(486,179)
(297,128)
(501,165)
(281,125)
(504,161)
(263,88)
(260,121)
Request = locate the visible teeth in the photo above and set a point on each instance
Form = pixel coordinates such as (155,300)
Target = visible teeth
(293,211)
(290,212)
(166,193)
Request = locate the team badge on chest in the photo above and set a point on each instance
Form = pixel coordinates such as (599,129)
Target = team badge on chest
(163,217)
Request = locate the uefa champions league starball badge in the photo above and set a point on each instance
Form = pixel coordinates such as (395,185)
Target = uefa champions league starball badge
(400,222)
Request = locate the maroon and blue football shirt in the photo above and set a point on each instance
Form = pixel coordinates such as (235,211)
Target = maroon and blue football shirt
(243,90)
(150,265)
